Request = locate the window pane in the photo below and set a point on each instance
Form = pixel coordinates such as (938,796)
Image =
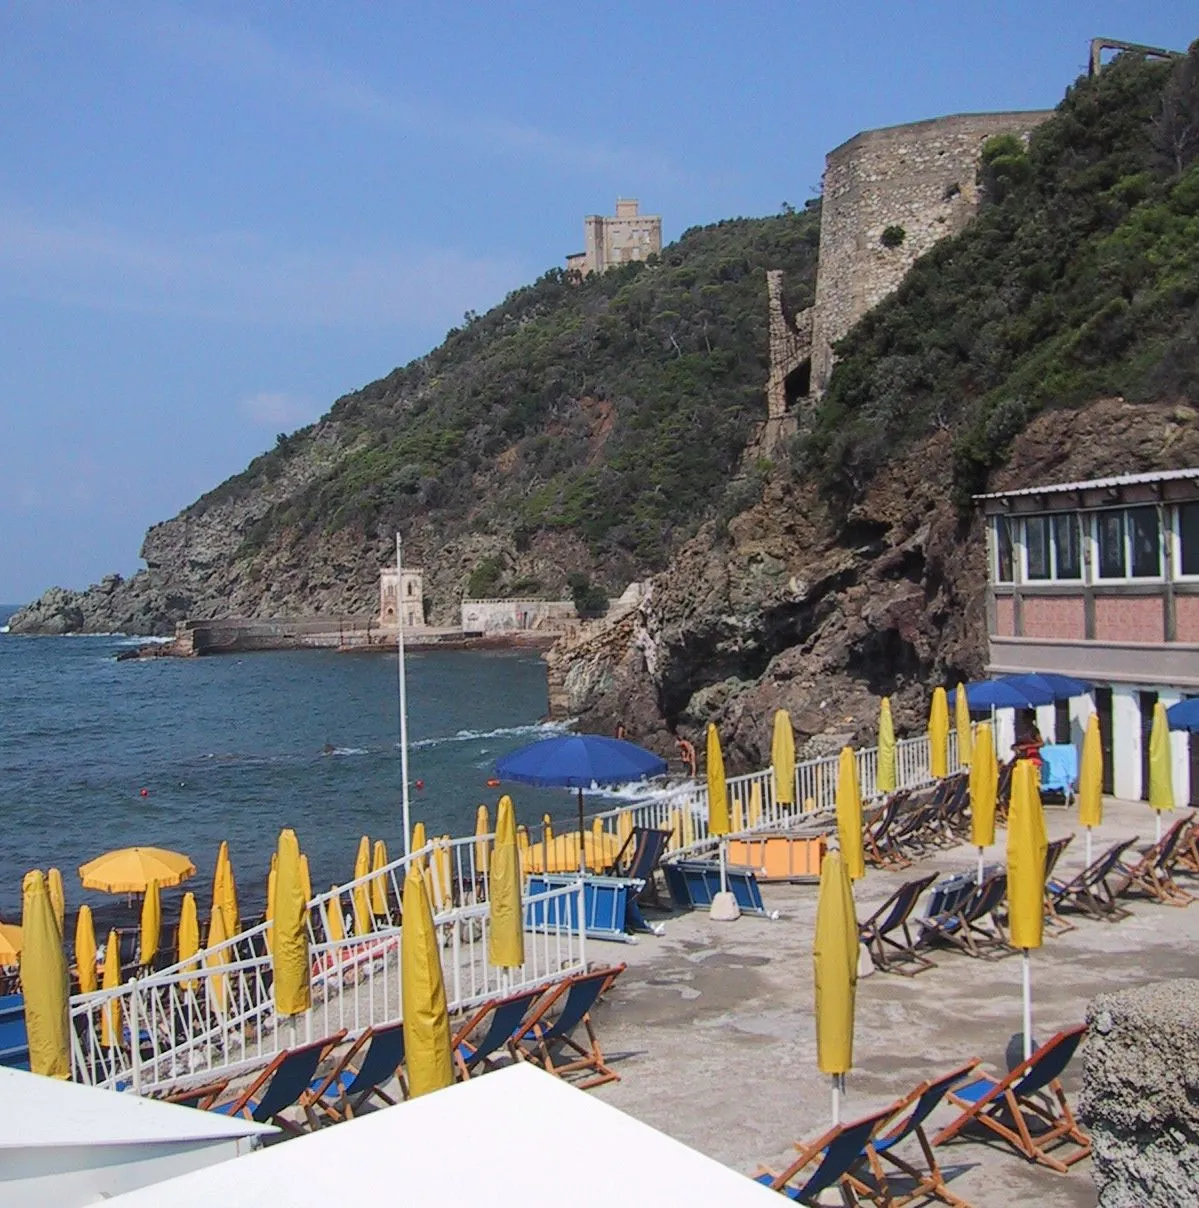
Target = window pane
(1003,549)
(1144,542)
(1110,527)
(1067,547)
(1188,538)
(1036,543)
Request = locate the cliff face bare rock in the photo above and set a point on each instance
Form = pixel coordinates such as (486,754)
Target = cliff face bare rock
(796,608)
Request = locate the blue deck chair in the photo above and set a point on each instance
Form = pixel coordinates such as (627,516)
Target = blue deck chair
(641,864)
(1006,1105)
(693,883)
(973,925)
(347,1088)
(1059,770)
(844,1155)
(542,1036)
(14,1040)
(929,1181)
(506,1016)
(281,1085)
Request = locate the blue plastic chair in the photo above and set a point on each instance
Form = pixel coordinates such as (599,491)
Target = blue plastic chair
(14,1040)
(346,1089)
(507,1016)
(843,1153)
(1059,769)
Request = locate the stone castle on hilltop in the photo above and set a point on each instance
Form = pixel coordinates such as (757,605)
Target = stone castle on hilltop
(609,242)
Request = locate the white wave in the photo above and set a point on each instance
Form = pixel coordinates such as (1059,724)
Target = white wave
(3,628)
(640,790)
(146,641)
(545,728)
(348,751)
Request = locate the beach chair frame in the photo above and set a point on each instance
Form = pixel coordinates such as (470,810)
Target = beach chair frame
(1088,890)
(1151,875)
(339,1099)
(1053,853)
(508,1017)
(891,920)
(1004,1106)
(964,927)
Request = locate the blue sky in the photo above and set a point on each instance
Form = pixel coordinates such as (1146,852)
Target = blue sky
(215,218)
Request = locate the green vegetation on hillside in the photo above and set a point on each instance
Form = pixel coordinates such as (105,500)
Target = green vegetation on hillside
(1078,279)
(616,407)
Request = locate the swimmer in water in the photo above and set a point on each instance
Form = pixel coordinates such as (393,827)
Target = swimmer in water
(328,749)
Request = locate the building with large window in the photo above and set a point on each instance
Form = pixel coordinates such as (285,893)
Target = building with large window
(1100,580)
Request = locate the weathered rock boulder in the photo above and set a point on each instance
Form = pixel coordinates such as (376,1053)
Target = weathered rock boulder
(1140,1096)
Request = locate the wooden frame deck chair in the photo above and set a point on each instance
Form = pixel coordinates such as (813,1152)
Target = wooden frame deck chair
(888,929)
(281,1085)
(912,832)
(972,925)
(542,1036)
(878,846)
(1053,853)
(950,817)
(845,1161)
(1031,1095)
(505,1019)
(928,1180)
(1152,875)
(1003,789)
(648,847)
(202,1097)
(1087,891)
(348,1087)
(1188,848)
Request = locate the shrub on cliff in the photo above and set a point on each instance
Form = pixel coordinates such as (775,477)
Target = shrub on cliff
(1078,278)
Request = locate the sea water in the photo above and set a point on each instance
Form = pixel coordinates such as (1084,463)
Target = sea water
(236,747)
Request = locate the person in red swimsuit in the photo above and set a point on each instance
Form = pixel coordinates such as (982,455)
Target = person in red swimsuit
(1029,744)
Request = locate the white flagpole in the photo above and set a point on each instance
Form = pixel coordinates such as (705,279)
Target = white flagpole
(836,1099)
(1026,962)
(403,694)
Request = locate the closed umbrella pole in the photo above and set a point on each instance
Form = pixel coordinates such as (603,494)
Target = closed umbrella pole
(505,934)
(1090,781)
(426,1019)
(85,950)
(718,799)
(782,758)
(44,981)
(849,815)
(961,719)
(984,787)
(835,974)
(289,952)
(151,925)
(885,780)
(58,897)
(1161,780)
(938,735)
(1027,843)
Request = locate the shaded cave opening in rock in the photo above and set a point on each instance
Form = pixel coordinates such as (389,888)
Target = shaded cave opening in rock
(885,661)
(797,384)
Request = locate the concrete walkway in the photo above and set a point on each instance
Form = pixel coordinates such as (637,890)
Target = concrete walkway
(711,1027)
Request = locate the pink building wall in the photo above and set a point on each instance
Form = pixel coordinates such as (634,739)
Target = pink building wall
(1129,619)
(1005,617)
(1055,617)
(1186,618)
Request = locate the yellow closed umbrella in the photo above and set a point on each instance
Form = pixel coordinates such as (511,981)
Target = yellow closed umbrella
(885,780)
(624,829)
(961,721)
(44,981)
(1027,843)
(379,884)
(224,891)
(938,735)
(215,959)
(151,925)
(782,758)
(131,869)
(419,841)
(289,955)
(10,944)
(688,826)
(335,926)
(849,815)
(272,883)
(1090,780)
(482,842)
(755,804)
(110,1013)
(85,950)
(505,935)
(305,877)
(426,1020)
(523,845)
(58,897)
(1161,777)
(984,791)
(676,829)
(189,937)
(360,894)
(718,796)
(835,969)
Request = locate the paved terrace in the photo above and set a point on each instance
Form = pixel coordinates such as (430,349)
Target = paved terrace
(711,1027)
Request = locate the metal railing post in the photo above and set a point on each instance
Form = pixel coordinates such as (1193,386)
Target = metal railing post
(135,1040)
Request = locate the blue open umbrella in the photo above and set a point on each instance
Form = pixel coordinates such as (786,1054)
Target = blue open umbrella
(1001,694)
(578,761)
(1063,687)
(1184,715)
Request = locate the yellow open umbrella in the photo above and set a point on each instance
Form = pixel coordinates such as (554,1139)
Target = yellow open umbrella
(984,789)
(110,1013)
(360,894)
(885,780)
(215,959)
(835,968)
(961,721)
(335,927)
(44,981)
(10,944)
(1090,780)
(85,950)
(782,758)
(131,869)
(189,936)
(938,735)
(505,934)
(224,890)
(151,927)
(1027,843)
(1161,777)
(482,842)
(426,1020)
(289,955)
(379,884)
(58,897)
(849,815)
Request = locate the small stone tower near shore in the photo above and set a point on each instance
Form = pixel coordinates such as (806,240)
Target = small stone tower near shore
(406,599)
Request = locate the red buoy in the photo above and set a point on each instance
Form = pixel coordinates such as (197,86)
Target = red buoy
(420,784)
(493,783)
(145,792)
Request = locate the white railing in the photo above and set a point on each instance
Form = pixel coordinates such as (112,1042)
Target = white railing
(215,1015)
